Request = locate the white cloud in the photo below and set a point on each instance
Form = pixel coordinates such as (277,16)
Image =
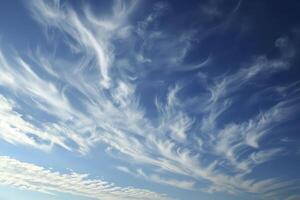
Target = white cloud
(106,108)
(293,197)
(15,129)
(91,34)
(183,184)
(28,176)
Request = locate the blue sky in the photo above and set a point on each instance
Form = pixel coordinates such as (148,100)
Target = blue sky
(136,99)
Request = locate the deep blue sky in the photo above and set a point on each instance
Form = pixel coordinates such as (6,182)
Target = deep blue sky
(141,99)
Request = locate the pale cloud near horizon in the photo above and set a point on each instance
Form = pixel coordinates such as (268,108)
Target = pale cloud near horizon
(182,184)
(26,176)
(107,108)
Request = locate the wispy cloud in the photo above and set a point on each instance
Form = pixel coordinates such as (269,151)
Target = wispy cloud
(94,97)
(28,176)
(183,184)
(16,130)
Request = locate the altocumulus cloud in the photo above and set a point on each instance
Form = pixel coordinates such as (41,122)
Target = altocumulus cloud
(93,95)
(27,176)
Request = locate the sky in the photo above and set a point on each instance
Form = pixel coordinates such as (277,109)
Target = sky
(149,100)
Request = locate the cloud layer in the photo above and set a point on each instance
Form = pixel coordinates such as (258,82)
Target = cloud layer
(93,94)
(26,176)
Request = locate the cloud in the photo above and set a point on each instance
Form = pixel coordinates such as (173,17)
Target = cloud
(15,129)
(94,96)
(183,184)
(293,197)
(82,29)
(31,177)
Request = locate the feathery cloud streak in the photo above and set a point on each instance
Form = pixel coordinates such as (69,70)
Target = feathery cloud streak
(111,57)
